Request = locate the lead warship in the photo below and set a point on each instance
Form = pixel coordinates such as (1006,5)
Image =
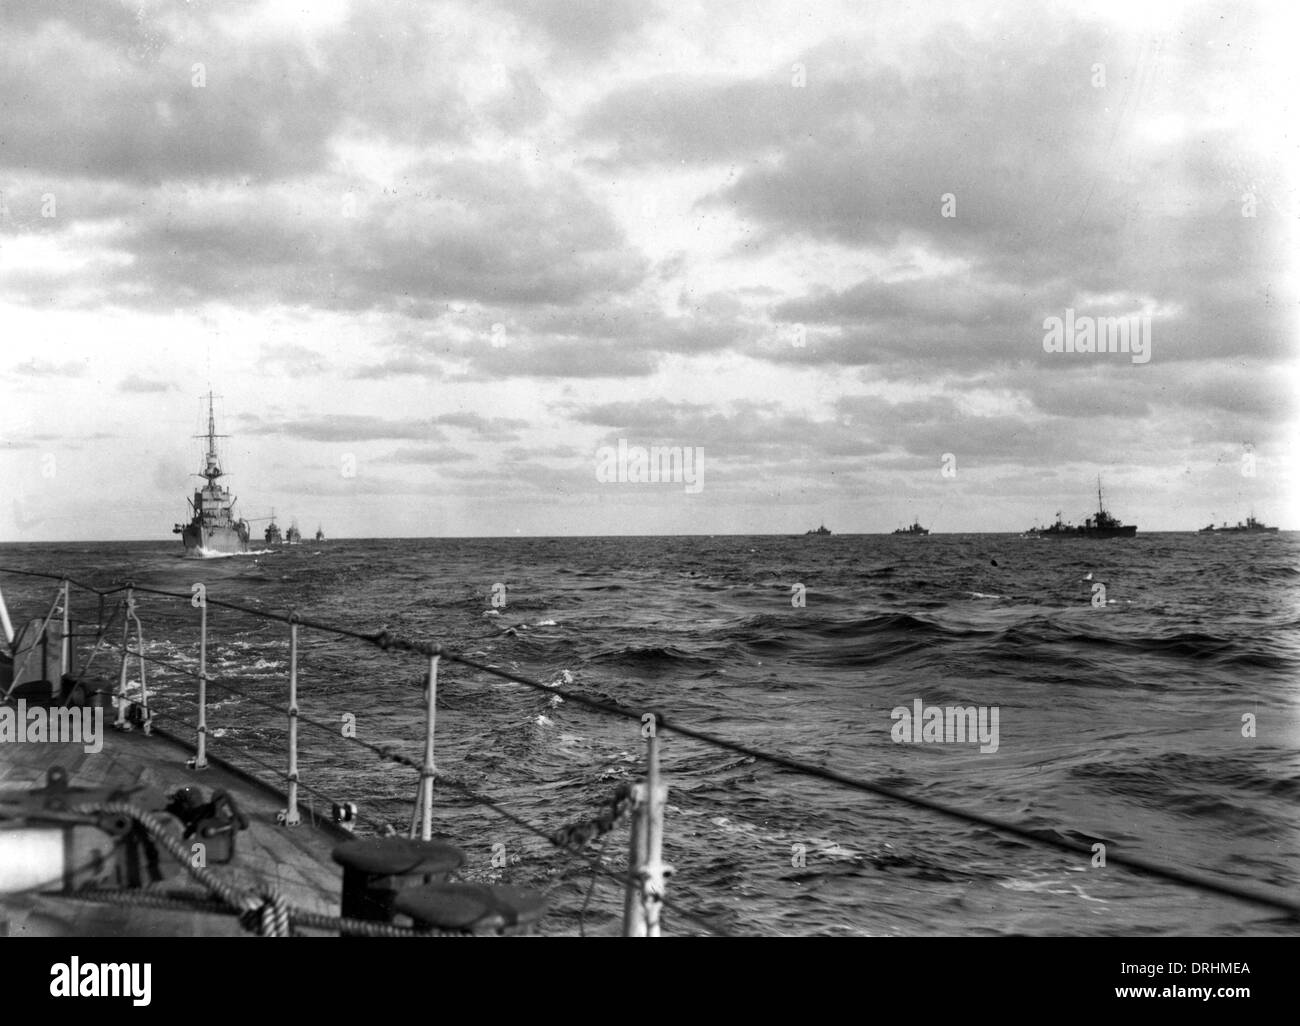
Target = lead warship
(213,529)
(913,528)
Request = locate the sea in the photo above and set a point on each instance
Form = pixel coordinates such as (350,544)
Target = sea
(1144,694)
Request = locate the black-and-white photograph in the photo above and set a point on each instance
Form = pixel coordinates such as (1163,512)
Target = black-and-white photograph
(621,468)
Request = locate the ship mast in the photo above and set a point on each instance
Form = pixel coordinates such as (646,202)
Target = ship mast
(212,467)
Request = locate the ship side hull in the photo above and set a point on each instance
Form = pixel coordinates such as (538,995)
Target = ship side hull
(1129,531)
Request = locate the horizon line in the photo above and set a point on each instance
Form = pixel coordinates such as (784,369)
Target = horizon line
(727,534)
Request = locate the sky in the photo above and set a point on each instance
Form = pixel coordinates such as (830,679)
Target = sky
(438,260)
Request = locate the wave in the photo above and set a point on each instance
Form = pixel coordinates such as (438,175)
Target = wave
(1186,645)
(650,657)
(1193,778)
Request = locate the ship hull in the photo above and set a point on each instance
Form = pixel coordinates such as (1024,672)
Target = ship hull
(201,542)
(1128,531)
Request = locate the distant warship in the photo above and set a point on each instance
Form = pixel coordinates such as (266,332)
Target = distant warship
(272,534)
(1251,526)
(821,530)
(1103,525)
(320,535)
(213,529)
(914,528)
(293,536)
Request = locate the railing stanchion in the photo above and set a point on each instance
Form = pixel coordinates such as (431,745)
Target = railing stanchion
(426,774)
(654,869)
(201,754)
(646,870)
(291,816)
(147,720)
(65,656)
(121,722)
(45,639)
(633,917)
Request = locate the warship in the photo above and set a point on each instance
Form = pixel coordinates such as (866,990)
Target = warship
(320,535)
(1251,526)
(213,529)
(293,536)
(272,534)
(914,528)
(823,529)
(1102,525)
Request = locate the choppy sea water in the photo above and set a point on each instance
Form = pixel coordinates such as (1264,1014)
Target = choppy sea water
(1123,714)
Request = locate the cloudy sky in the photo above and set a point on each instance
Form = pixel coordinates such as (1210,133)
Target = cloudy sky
(433,256)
